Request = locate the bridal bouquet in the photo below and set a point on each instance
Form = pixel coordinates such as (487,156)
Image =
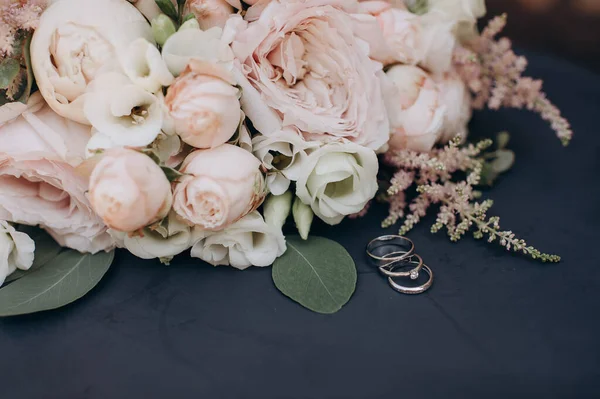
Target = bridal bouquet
(202,126)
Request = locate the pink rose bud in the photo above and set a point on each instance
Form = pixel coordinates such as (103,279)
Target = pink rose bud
(222,185)
(457,100)
(210,13)
(415,109)
(204,105)
(128,190)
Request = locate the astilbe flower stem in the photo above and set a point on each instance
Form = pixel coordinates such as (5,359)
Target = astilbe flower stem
(493,73)
(433,173)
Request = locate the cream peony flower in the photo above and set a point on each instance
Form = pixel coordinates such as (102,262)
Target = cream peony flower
(77,40)
(438,41)
(304,63)
(211,13)
(188,44)
(248,242)
(338,180)
(166,240)
(144,65)
(456,98)
(416,109)
(458,10)
(204,105)
(282,154)
(221,186)
(38,182)
(16,250)
(128,190)
(121,113)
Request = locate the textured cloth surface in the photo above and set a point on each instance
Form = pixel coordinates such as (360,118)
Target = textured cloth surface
(494,325)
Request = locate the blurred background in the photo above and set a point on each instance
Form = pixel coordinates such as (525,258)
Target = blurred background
(567,28)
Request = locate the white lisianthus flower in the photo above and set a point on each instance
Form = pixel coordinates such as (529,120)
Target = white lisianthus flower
(248,242)
(281,153)
(77,40)
(144,65)
(188,44)
(338,180)
(166,240)
(123,114)
(16,250)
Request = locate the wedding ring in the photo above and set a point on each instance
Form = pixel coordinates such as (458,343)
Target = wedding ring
(415,259)
(413,290)
(408,249)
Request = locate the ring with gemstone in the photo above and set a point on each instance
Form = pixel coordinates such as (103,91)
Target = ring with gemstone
(413,290)
(378,244)
(388,270)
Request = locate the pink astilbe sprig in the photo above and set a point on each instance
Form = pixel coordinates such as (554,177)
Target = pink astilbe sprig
(493,73)
(434,175)
(15,16)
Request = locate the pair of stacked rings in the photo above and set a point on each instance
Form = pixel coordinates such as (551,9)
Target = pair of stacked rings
(390,253)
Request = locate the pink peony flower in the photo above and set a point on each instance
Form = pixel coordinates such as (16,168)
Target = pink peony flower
(400,30)
(456,98)
(38,181)
(415,108)
(302,65)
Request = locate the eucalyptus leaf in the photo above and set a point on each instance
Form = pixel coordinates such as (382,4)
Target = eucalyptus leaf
(505,159)
(168,8)
(63,280)
(46,249)
(171,173)
(28,68)
(318,273)
(9,70)
(502,140)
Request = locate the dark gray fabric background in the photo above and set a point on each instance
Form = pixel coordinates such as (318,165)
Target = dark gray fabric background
(494,325)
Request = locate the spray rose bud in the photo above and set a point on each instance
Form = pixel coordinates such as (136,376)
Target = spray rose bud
(220,186)
(204,105)
(128,190)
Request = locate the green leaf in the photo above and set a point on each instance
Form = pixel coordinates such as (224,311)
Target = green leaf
(188,17)
(505,159)
(29,69)
(64,279)
(168,8)
(171,173)
(317,273)
(502,140)
(9,70)
(46,249)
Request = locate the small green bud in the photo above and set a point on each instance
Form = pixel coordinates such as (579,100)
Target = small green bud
(162,28)
(190,24)
(303,216)
(277,209)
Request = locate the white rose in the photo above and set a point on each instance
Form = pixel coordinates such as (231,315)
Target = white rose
(338,180)
(77,40)
(171,237)
(16,250)
(248,242)
(123,114)
(144,65)
(188,44)
(281,153)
